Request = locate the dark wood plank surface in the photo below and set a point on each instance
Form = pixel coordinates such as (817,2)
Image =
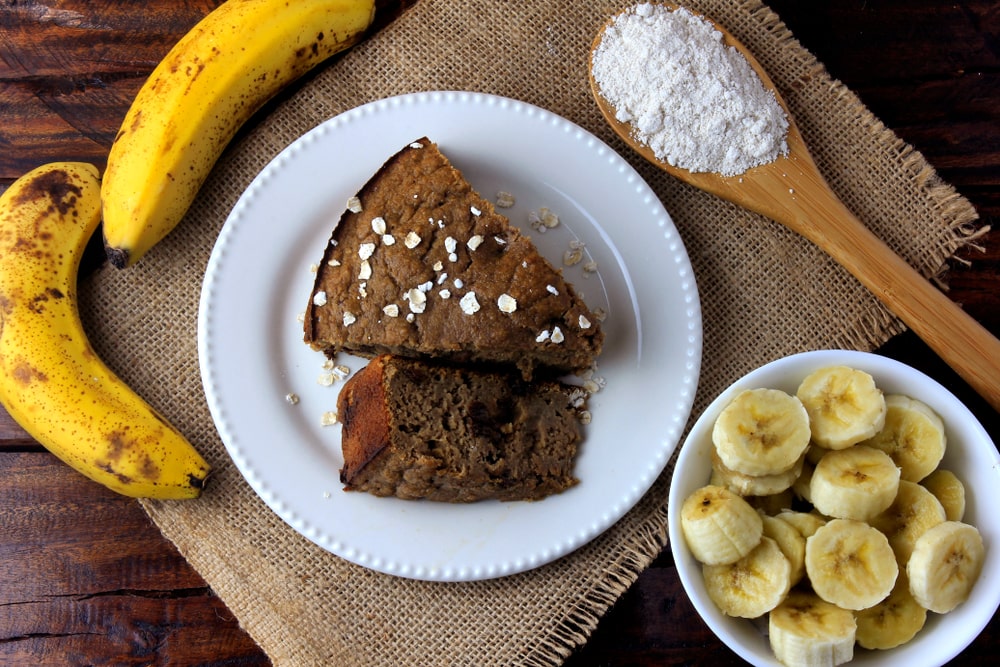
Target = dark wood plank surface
(85,578)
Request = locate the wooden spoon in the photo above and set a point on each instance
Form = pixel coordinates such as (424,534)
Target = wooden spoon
(792,191)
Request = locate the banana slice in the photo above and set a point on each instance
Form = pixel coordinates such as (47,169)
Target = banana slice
(946,562)
(800,487)
(854,483)
(850,564)
(844,406)
(806,631)
(815,453)
(753,585)
(913,436)
(774,503)
(791,542)
(913,512)
(716,479)
(719,526)
(806,523)
(753,485)
(761,432)
(949,490)
(893,621)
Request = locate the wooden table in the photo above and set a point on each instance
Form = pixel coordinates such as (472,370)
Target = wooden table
(85,578)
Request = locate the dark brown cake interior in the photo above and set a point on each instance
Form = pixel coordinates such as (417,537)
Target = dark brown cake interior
(415,429)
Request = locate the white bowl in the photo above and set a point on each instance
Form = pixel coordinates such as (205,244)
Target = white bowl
(970,453)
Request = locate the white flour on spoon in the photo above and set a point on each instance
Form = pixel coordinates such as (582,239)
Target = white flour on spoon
(696,103)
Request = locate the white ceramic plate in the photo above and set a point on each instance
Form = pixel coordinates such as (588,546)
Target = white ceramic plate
(258,282)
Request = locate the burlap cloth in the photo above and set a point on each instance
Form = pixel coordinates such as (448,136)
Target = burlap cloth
(765,293)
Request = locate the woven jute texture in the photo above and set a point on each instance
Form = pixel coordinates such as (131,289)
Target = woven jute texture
(764,291)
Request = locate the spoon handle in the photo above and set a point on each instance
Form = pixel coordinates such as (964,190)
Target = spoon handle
(966,346)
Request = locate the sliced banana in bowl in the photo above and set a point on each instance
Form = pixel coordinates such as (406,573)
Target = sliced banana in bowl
(907,476)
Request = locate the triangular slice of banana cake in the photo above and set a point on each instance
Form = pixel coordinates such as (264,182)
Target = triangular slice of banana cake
(422,266)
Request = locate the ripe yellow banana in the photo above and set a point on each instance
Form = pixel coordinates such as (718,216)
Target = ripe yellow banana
(207,86)
(51,380)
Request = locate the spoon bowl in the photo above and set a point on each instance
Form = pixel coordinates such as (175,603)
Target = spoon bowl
(791,190)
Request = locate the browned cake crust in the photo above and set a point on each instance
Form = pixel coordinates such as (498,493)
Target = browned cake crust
(415,429)
(428,268)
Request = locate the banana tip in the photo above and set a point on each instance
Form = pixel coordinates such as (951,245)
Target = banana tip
(199,482)
(119,257)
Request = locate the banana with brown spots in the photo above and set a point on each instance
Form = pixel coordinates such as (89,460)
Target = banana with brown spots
(51,379)
(209,84)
